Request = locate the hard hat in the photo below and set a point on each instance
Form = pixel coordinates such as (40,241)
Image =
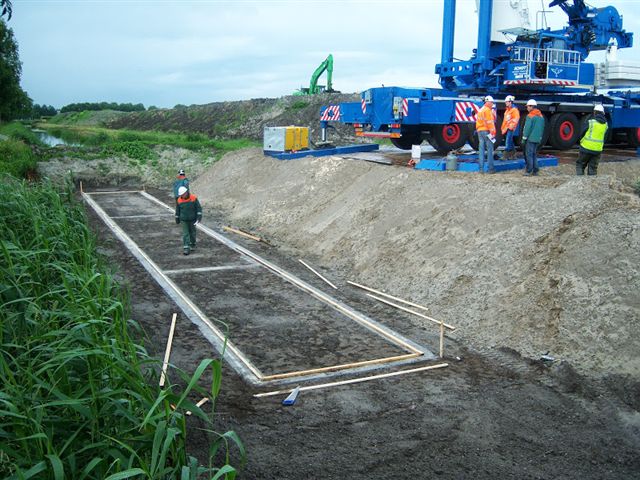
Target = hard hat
(180,172)
(182,191)
(598,108)
(488,98)
(532,103)
(509,98)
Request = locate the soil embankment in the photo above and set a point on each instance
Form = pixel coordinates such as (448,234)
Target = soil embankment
(540,264)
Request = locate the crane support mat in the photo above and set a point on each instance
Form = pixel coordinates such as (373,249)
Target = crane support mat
(365,147)
(469,163)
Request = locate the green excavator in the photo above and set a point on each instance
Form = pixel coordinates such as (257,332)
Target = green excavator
(314,88)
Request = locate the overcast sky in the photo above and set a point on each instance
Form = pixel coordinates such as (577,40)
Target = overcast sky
(165,53)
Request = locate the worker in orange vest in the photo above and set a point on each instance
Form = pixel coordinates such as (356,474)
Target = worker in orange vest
(486,128)
(510,124)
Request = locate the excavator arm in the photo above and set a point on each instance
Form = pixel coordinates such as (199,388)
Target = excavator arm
(327,66)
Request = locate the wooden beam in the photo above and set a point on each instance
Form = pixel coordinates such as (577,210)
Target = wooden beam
(353,380)
(410,311)
(389,296)
(327,281)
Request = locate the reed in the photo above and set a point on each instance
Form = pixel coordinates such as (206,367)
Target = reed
(79,397)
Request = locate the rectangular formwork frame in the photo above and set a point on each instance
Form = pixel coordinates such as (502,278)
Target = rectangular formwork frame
(227,349)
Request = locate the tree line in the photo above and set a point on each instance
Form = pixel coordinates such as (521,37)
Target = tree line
(95,106)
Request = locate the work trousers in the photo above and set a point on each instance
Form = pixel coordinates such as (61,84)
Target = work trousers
(531,151)
(587,159)
(485,150)
(188,235)
(508,142)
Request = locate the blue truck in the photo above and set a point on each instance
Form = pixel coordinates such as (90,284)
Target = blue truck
(546,65)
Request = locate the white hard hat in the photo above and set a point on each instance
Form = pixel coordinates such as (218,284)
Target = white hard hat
(532,103)
(598,108)
(488,98)
(180,172)
(509,98)
(182,191)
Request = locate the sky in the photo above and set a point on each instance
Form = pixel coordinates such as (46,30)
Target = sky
(163,53)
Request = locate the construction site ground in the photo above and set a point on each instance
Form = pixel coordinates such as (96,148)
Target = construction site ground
(525,268)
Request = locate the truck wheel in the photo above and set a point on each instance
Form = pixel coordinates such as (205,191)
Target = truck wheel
(563,130)
(407,140)
(472,137)
(633,137)
(445,138)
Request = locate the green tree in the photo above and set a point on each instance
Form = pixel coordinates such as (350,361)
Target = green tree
(6,8)
(14,102)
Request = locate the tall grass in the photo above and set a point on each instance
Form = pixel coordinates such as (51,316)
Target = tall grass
(78,397)
(16,158)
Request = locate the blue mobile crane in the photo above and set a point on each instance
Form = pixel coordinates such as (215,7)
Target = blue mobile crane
(543,64)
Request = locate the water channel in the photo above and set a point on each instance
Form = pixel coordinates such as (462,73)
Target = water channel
(51,140)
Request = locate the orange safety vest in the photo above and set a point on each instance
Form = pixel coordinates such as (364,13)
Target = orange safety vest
(511,119)
(485,120)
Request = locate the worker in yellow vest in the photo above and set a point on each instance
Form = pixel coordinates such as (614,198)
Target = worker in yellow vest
(592,143)
(510,123)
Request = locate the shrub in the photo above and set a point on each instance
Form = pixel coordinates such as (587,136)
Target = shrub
(636,187)
(134,150)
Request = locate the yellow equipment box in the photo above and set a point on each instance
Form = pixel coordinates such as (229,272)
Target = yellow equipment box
(285,139)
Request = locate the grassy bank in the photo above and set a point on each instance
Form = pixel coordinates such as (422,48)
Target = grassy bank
(79,397)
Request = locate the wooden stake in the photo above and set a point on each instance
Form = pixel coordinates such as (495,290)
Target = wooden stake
(389,296)
(244,234)
(81,191)
(353,380)
(327,281)
(441,339)
(167,352)
(410,311)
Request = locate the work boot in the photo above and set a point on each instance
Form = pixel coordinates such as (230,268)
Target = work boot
(186,251)
(193,246)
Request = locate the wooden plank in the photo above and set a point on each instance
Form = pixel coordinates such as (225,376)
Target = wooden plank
(353,380)
(345,366)
(410,311)
(388,296)
(321,277)
(167,352)
(241,233)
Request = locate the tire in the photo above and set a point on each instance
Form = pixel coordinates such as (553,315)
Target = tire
(407,140)
(445,138)
(633,137)
(472,138)
(564,130)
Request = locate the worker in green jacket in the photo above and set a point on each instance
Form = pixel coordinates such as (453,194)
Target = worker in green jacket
(532,136)
(592,143)
(181,181)
(188,214)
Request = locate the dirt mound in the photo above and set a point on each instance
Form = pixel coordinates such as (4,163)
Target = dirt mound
(238,119)
(536,264)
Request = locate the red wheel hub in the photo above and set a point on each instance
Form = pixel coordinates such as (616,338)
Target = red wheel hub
(566,131)
(638,134)
(451,133)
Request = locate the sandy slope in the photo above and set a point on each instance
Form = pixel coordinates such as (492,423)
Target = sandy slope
(538,264)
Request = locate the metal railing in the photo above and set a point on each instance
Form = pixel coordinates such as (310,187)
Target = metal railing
(546,55)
